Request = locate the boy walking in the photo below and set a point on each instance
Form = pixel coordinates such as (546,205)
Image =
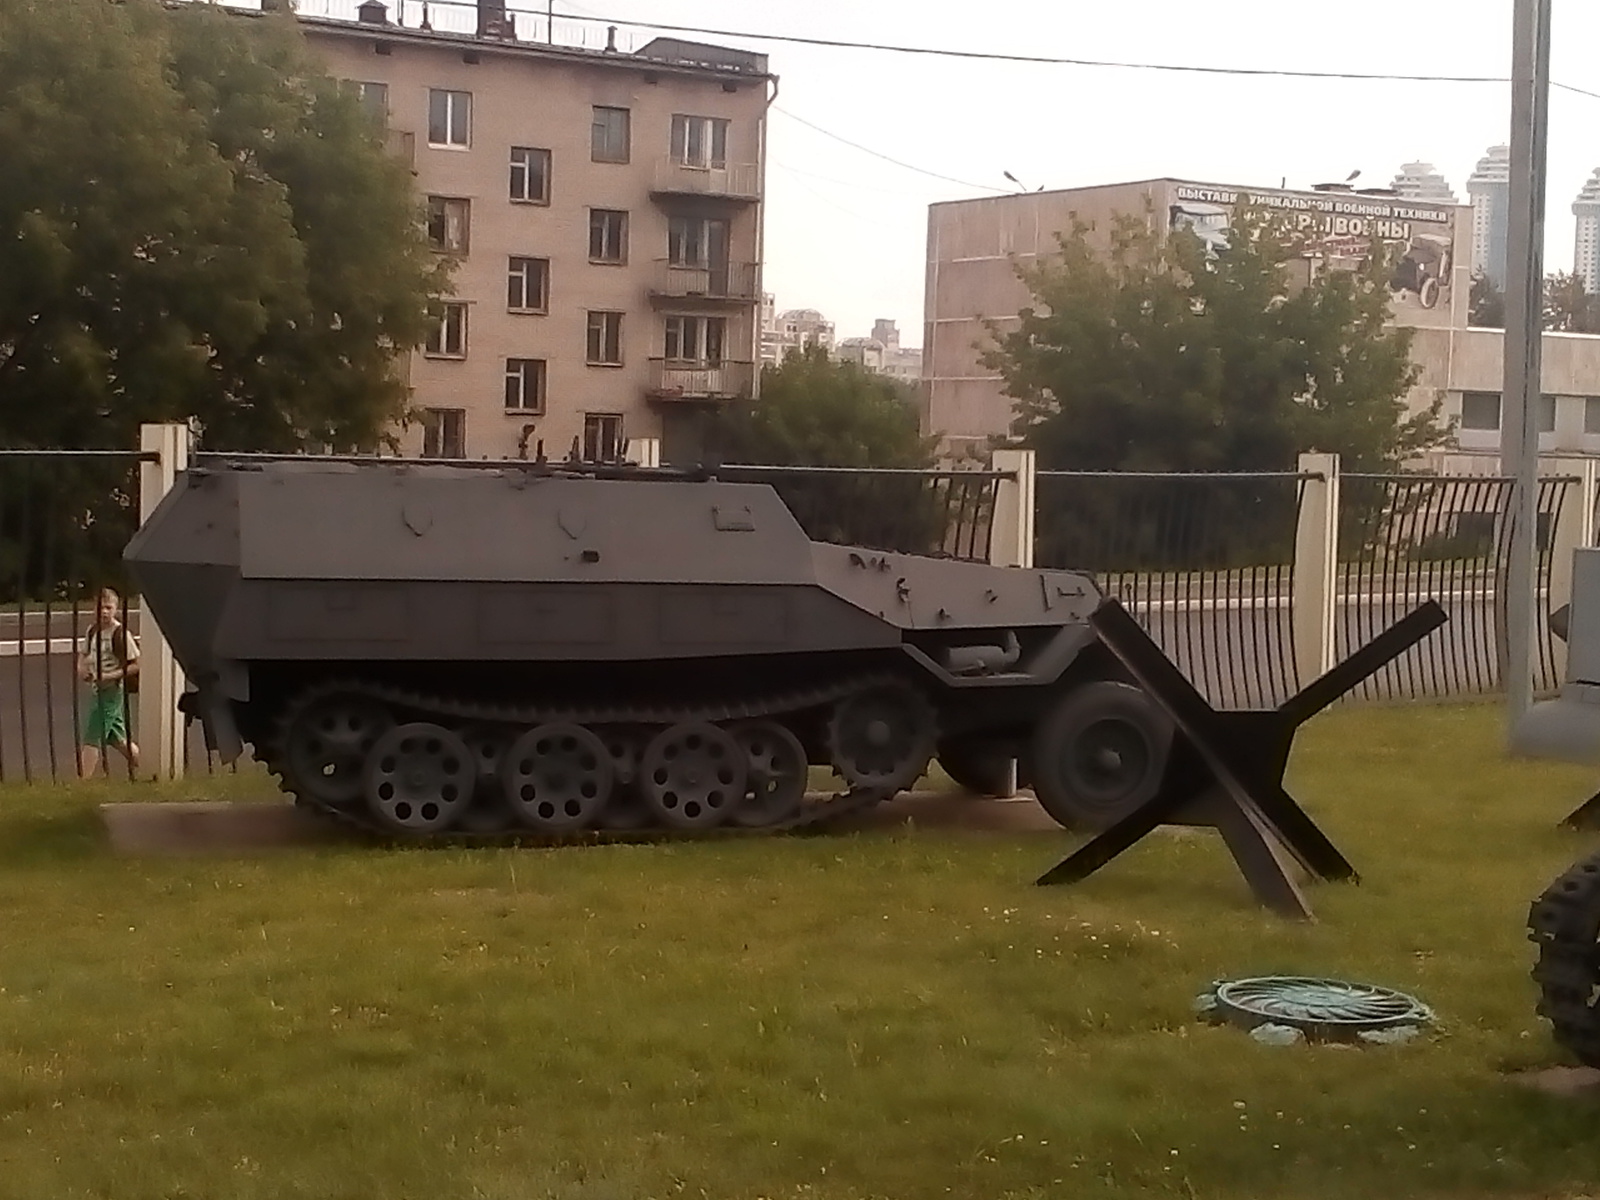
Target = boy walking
(108,656)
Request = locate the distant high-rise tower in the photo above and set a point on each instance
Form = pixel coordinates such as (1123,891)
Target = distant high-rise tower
(1419,181)
(1586,253)
(1490,189)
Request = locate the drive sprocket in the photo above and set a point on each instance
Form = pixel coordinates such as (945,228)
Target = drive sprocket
(882,736)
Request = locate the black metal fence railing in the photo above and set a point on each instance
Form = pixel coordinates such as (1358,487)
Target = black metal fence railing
(942,512)
(64,519)
(1204,562)
(1405,539)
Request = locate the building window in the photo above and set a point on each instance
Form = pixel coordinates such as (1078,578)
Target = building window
(444,433)
(530,175)
(373,97)
(1480,410)
(608,136)
(608,236)
(528,285)
(1547,414)
(602,437)
(696,339)
(605,339)
(449,220)
(699,141)
(1591,414)
(696,241)
(449,118)
(525,385)
(448,339)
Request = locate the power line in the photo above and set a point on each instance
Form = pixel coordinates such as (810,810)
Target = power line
(879,154)
(1051,60)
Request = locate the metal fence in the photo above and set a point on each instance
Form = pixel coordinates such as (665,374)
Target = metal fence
(944,512)
(1204,562)
(1406,539)
(64,518)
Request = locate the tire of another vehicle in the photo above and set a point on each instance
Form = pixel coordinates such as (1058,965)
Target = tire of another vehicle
(1099,754)
(978,768)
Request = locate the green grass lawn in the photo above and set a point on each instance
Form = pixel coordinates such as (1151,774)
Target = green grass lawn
(881,1015)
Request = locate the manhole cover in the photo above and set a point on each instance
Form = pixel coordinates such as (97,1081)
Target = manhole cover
(1287,1008)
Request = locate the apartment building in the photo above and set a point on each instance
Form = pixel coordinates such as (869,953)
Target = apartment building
(606,213)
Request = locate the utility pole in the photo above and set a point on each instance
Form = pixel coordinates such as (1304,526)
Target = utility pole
(1522,392)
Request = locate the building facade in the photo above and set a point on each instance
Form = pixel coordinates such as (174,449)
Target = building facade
(883,354)
(1586,241)
(1421,181)
(1489,187)
(605,211)
(974,245)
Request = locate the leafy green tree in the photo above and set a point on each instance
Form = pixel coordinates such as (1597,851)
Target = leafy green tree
(205,226)
(1157,356)
(815,411)
(1486,308)
(1568,306)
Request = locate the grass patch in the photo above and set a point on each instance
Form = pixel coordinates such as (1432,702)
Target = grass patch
(868,1016)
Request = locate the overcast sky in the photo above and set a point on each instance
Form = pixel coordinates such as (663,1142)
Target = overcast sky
(846,232)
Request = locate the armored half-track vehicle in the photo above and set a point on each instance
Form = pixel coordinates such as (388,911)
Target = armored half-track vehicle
(437,650)
(1564,922)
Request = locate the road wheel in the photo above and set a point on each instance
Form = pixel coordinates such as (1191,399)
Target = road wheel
(1099,754)
(980,768)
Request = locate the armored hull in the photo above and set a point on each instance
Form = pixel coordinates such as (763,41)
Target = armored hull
(435,650)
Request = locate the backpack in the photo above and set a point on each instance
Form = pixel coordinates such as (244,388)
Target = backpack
(130,670)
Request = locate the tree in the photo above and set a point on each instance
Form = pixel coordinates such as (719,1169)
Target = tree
(1156,356)
(1568,306)
(1487,305)
(814,411)
(204,225)
(817,412)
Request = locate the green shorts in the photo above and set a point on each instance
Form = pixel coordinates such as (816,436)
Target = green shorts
(106,723)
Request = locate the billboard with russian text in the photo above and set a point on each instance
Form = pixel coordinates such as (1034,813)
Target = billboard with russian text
(1338,229)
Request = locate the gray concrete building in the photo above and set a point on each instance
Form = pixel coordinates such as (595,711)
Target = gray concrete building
(606,210)
(1489,187)
(974,246)
(1586,239)
(1421,181)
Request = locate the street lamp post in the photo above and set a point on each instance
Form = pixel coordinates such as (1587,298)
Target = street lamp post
(1519,425)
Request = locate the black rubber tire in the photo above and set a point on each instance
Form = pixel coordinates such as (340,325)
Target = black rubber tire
(980,768)
(1119,718)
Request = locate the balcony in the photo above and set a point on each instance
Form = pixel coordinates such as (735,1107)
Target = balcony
(735,181)
(674,380)
(726,282)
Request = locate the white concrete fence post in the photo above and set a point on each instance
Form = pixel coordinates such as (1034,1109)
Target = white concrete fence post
(1314,600)
(160,678)
(1011,532)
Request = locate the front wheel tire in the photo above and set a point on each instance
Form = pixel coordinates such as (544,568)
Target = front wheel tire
(1099,754)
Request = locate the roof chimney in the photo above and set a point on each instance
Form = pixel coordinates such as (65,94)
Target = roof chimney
(373,12)
(493,22)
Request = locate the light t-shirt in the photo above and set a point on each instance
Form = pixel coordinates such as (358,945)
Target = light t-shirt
(101,646)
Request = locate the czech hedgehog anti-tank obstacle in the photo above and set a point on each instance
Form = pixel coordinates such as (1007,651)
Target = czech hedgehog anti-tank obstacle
(437,650)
